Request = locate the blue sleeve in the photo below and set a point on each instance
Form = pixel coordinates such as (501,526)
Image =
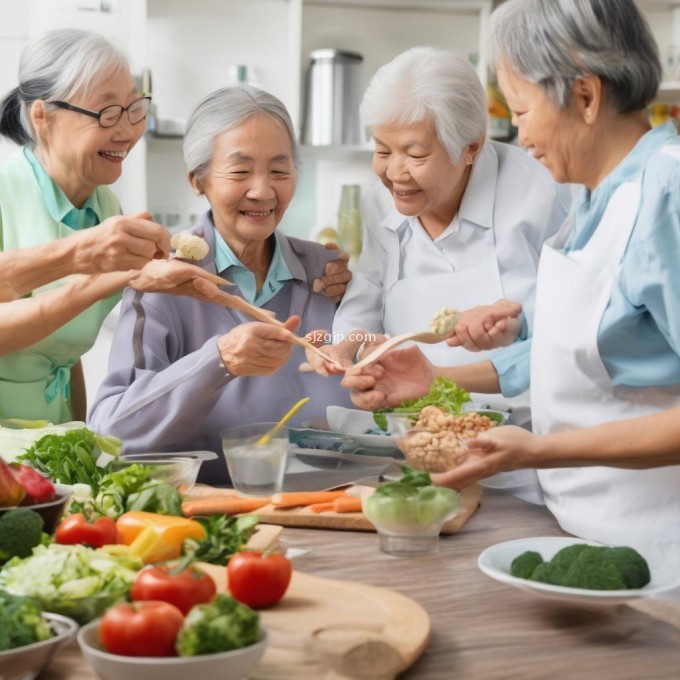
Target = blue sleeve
(513,363)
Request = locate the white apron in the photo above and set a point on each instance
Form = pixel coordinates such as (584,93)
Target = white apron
(411,303)
(570,388)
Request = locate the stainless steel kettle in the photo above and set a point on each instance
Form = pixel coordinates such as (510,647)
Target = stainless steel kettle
(331,114)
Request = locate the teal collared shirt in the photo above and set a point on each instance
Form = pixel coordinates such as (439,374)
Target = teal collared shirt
(229,266)
(58,205)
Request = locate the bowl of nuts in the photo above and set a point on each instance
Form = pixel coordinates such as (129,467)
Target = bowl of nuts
(437,440)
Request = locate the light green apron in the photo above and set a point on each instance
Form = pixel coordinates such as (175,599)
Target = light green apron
(34,382)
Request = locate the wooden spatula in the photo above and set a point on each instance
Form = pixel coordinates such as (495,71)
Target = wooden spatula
(389,345)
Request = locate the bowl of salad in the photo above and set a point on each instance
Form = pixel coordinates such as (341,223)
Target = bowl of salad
(29,638)
(408,514)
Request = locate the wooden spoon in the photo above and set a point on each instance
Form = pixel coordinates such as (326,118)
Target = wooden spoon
(416,336)
(240,305)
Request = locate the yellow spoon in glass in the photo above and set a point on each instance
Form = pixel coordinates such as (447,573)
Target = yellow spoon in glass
(264,439)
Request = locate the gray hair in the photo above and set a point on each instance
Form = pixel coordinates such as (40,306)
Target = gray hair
(425,83)
(554,43)
(55,66)
(223,110)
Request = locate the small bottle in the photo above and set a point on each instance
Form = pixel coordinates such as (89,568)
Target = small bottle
(349,221)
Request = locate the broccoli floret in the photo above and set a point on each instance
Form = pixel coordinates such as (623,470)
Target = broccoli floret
(548,573)
(634,568)
(594,571)
(563,558)
(219,626)
(21,622)
(523,565)
(20,532)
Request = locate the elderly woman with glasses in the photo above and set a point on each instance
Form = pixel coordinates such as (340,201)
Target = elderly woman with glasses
(77,114)
(183,370)
(604,358)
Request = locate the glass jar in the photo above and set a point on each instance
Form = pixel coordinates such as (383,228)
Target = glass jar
(349,220)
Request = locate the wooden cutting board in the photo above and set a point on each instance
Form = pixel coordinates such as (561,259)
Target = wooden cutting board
(338,629)
(354,521)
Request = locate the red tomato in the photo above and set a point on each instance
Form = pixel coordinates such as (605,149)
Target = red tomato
(185,589)
(141,629)
(75,529)
(258,580)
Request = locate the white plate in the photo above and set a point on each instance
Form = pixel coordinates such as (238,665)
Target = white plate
(496,560)
(355,423)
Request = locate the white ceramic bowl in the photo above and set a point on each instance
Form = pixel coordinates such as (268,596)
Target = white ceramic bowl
(27,662)
(234,665)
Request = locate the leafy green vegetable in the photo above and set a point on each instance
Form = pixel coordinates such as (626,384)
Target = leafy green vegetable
(224,536)
(72,458)
(18,435)
(21,622)
(443,393)
(71,579)
(410,504)
(219,626)
(132,488)
(20,532)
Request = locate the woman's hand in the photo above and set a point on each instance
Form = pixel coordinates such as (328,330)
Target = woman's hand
(176,277)
(398,376)
(342,353)
(257,348)
(119,243)
(336,276)
(496,450)
(487,326)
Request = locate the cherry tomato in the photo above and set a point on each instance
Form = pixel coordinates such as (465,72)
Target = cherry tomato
(141,629)
(257,579)
(75,529)
(185,589)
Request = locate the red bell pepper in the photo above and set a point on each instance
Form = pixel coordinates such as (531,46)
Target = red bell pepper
(11,492)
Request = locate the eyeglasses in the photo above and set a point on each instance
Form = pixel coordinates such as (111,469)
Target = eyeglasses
(110,115)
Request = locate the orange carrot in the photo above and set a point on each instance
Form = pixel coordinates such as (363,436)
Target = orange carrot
(321,507)
(294,498)
(347,504)
(223,505)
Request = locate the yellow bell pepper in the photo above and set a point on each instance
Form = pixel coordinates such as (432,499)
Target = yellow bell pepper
(156,537)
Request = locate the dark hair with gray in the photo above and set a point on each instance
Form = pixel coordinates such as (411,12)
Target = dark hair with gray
(55,66)
(553,43)
(426,83)
(223,110)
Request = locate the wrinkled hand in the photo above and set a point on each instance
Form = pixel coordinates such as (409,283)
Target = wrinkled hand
(120,243)
(257,348)
(497,450)
(336,276)
(175,277)
(342,354)
(487,326)
(398,376)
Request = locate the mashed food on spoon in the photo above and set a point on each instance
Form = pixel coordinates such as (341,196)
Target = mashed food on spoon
(444,321)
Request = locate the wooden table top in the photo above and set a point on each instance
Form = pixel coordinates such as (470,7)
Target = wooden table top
(482,629)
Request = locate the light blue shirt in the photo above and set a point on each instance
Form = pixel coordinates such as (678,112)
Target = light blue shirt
(58,205)
(639,335)
(229,266)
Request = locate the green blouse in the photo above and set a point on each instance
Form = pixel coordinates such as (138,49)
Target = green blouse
(34,382)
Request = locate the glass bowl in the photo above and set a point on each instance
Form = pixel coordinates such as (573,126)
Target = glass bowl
(178,469)
(410,524)
(438,440)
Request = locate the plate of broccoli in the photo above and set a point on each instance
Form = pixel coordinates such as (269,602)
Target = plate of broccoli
(572,570)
